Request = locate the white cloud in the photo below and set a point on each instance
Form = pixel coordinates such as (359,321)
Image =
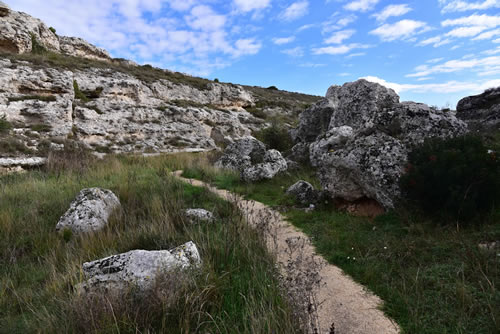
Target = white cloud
(436,41)
(339,36)
(204,18)
(434,60)
(492,52)
(474,20)
(456,65)
(445,88)
(461,6)
(182,5)
(336,24)
(357,54)
(249,5)
(295,52)
(295,10)
(496,41)
(392,10)
(487,35)
(312,65)
(403,29)
(338,50)
(283,40)
(465,31)
(361,5)
(247,46)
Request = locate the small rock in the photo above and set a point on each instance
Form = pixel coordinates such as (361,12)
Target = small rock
(138,268)
(199,216)
(273,164)
(89,211)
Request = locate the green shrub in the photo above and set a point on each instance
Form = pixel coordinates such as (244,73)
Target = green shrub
(36,47)
(216,80)
(78,93)
(5,125)
(276,137)
(53,30)
(272,88)
(455,179)
(41,127)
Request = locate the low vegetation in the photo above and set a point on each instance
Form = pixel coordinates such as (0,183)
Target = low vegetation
(5,125)
(275,137)
(454,180)
(433,278)
(236,291)
(44,98)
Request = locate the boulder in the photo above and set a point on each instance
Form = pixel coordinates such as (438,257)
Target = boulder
(304,193)
(273,164)
(89,211)
(137,268)
(199,216)
(481,112)
(361,150)
(242,154)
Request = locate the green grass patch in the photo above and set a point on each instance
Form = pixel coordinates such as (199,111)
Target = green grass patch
(236,291)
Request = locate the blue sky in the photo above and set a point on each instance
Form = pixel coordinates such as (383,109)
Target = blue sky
(432,51)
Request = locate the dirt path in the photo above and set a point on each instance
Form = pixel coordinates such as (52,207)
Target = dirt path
(341,302)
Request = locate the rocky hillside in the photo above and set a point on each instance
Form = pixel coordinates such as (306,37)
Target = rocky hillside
(54,89)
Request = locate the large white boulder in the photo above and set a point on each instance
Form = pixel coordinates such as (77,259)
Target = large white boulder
(137,268)
(89,211)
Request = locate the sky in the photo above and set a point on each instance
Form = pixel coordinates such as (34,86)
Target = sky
(431,51)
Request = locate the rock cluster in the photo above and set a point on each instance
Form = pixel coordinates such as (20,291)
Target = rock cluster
(89,211)
(359,137)
(304,193)
(249,157)
(481,112)
(137,269)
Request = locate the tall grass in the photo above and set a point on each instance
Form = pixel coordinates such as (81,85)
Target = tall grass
(236,290)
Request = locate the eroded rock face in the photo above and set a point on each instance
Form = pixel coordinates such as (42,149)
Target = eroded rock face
(481,112)
(90,211)
(249,157)
(4,9)
(78,47)
(362,151)
(122,114)
(137,268)
(199,216)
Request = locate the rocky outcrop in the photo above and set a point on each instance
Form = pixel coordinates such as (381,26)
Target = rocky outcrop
(20,31)
(249,157)
(481,112)
(361,149)
(90,211)
(195,216)
(78,47)
(304,193)
(121,113)
(137,269)
(22,162)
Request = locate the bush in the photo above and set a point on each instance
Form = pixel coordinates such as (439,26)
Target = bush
(5,125)
(455,179)
(275,137)
(272,88)
(78,93)
(36,47)
(53,30)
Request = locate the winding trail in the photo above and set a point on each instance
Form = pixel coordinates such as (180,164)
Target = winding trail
(341,303)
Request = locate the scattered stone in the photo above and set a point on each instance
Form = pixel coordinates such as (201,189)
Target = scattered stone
(136,268)
(199,216)
(89,211)
(481,112)
(362,145)
(489,246)
(78,47)
(22,162)
(303,192)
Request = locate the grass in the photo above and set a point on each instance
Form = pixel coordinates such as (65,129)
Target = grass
(433,279)
(236,291)
(5,125)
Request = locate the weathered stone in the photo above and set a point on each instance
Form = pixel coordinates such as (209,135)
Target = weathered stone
(4,9)
(22,162)
(304,193)
(242,154)
(273,164)
(90,211)
(481,112)
(362,152)
(199,216)
(137,268)
(78,47)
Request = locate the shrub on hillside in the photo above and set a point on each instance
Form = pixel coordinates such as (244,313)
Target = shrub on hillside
(5,125)
(455,179)
(275,137)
